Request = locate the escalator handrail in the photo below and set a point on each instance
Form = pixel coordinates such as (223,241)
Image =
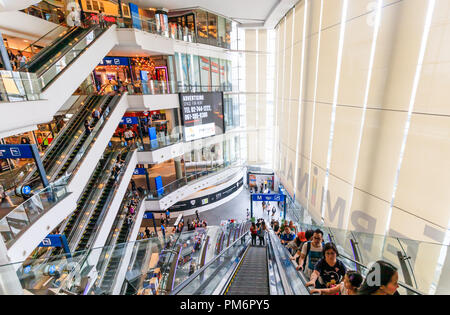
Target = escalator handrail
(403,285)
(29,177)
(42,53)
(62,52)
(53,42)
(74,59)
(186,282)
(283,277)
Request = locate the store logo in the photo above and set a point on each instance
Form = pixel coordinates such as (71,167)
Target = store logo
(192,202)
(46,242)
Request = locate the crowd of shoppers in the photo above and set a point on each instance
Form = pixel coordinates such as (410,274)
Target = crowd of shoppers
(325,272)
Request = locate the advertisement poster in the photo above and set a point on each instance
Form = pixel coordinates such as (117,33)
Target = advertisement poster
(202,114)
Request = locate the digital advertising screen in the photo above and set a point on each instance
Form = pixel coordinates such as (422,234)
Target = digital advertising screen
(202,114)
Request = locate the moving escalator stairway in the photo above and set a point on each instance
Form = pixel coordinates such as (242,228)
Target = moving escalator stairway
(87,192)
(251,277)
(98,205)
(56,57)
(56,48)
(60,156)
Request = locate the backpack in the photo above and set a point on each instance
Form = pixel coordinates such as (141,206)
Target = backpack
(308,249)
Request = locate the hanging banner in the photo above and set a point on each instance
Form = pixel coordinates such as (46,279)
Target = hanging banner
(271,197)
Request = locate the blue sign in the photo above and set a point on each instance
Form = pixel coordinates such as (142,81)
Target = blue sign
(159,185)
(115,61)
(56,240)
(16,151)
(134,11)
(129,120)
(27,269)
(148,215)
(267,197)
(153,139)
(140,171)
(26,190)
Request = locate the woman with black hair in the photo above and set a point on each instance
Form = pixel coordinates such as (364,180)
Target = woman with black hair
(329,271)
(352,281)
(382,279)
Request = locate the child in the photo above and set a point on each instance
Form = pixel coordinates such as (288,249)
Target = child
(350,285)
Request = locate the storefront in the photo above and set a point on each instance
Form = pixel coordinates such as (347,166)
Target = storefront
(111,71)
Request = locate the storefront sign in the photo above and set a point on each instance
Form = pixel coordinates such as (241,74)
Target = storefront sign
(115,61)
(140,171)
(206,200)
(129,120)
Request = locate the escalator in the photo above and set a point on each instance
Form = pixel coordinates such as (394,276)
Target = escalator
(61,154)
(64,39)
(96,205)
(53,59)
(242,269)
(89,230)
(114,262)
(251,277)
(87,193)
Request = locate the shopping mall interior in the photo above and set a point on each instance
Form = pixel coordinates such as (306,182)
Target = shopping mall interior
(206,147)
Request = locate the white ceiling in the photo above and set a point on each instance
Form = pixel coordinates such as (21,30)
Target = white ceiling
(243,11)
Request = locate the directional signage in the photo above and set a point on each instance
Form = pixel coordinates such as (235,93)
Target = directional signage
(16,151)
(129,121)
(140,171)
(268,197)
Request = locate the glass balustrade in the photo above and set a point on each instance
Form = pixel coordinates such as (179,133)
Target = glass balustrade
(19,219)
(419,263)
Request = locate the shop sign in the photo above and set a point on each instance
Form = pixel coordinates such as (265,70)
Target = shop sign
(139,171)
(129,120)
(115,61)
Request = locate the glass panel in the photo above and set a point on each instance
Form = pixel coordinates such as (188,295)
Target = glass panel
(205,74)
(212,28)
(202,26)
(215,75)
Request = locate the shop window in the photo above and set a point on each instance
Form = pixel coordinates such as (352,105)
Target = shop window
(88,5)
(212,26)
(202,25)
(95,6)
